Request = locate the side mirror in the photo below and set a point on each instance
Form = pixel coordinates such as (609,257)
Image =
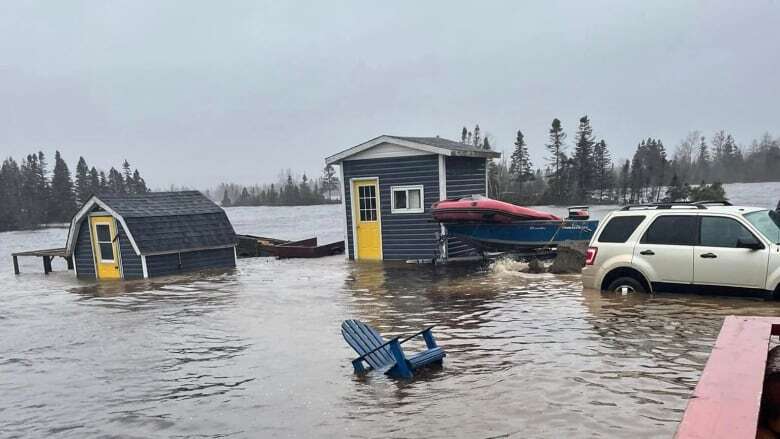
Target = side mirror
(752,244)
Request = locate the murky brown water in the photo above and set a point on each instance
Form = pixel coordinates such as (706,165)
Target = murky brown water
(257,352)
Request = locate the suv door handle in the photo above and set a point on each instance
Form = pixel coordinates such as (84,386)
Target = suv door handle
(708,255)
(647,252)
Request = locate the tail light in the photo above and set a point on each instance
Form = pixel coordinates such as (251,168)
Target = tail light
(590,255)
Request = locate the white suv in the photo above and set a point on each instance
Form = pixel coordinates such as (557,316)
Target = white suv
(706,247)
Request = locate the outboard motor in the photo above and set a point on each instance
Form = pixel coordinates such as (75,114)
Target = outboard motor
(581,213)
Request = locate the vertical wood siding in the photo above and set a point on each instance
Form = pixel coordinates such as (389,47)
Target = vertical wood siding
(131,262)
(465,176)
(83,257)
(404,236)
(168,264)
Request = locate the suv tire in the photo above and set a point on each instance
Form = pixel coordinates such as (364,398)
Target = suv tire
(626,285)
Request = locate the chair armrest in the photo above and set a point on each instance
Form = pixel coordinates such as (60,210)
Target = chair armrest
(417,334)
(375,349)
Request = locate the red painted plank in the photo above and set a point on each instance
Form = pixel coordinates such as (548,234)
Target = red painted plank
(727,398)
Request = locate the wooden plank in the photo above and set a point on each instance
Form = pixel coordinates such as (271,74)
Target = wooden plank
(727,399)
(46,264)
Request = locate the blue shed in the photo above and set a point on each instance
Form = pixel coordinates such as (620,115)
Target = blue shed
(147,235)
(388,186)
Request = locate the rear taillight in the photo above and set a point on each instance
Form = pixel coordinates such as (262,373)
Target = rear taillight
(590,255)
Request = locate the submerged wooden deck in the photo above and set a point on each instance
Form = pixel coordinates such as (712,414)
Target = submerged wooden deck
(47,255)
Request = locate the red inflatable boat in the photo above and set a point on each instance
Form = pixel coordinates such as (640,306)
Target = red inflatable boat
(482,209)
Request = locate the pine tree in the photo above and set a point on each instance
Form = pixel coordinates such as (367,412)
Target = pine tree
(62,204)
(115,183)
(486,144)
(10,196)
(477,139)
(703,161)
(139,184)
(83,189)
(556,148)
(463,135)
(603,165)
(127,178)
(226,200)
(521,167)
(583,159)
(329,180)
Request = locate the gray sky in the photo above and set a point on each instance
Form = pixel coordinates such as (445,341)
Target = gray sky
(194,93)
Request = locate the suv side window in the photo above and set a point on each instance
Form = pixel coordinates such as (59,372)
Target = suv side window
(619,228)
(717,231)
(672,230)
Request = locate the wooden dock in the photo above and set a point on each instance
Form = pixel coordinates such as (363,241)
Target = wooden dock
(47,255)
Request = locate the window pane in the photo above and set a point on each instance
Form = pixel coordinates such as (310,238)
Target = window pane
(767,222)
(723,232)
(400,199)
(618,229)
(672,230)
(414,199)
(103,232)
(106,251)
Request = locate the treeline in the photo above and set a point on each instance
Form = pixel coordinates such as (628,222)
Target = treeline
(288,191)
(29,196)
(586,173)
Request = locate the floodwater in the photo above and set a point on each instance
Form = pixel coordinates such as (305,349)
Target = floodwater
(257,352)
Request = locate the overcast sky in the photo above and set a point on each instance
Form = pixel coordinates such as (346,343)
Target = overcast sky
(194,93)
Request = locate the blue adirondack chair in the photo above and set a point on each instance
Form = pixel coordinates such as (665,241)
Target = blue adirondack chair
(387,356)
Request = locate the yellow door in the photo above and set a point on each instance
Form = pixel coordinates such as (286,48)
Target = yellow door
(105,246)
(365,208)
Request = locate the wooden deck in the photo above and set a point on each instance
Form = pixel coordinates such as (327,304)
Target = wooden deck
(727,399)
(47,255)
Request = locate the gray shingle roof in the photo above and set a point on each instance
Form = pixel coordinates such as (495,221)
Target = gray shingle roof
(162,222)
(440,142)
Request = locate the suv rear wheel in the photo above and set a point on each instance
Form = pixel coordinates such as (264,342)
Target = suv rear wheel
(626,285)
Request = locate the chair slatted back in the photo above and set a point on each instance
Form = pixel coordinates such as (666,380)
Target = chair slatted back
(363,339)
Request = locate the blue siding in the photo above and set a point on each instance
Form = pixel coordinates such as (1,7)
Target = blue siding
(465,176)
(404,236)
(167,264)
(83,258)
(131,262)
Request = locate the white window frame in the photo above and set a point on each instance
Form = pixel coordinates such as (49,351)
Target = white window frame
(394,189)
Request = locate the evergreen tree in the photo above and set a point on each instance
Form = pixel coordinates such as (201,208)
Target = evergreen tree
(330,182)
(556,148)
(139,184)
(62,204)
(603,168)
(703,161)
(583,159)
(127,178)
(83,185)
(10,196)
(486,144)
(226,200)
(520,166)
(95,179)
(463,135)
(115,183)
(677,190)
(477,139)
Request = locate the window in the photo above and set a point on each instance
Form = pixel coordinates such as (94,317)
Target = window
(367,202)
(104,242)
(407,199)
(672,230)
(719,231)
(619,228)
(767,222)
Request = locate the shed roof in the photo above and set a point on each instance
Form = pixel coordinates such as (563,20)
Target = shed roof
(433,145)
(163,222)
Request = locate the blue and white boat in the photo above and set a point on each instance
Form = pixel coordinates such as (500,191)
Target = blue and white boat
(522,235)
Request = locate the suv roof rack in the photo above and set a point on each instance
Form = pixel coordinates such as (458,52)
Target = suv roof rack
(714,202)
(664,205)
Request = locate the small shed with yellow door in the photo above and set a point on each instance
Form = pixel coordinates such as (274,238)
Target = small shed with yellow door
(147,235)
(388,186)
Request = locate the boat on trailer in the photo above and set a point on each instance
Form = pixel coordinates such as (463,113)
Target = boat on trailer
(496,226)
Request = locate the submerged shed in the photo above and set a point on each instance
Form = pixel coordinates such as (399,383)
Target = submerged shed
(147,235)
(388,186)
